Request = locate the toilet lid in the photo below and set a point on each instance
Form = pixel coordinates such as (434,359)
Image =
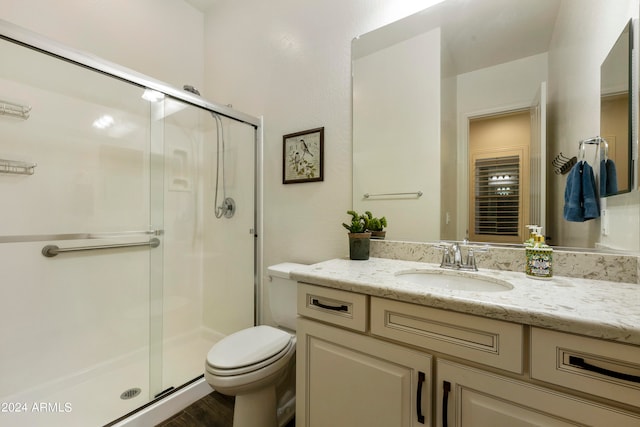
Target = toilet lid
(247,347)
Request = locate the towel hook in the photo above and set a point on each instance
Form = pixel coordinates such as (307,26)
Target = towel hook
(562,164)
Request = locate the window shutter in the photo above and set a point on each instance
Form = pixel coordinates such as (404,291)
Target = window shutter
(497,196)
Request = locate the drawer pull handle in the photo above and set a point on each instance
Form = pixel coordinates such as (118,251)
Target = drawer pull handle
(445,403)
(579,362)
(317,303)
(421,380)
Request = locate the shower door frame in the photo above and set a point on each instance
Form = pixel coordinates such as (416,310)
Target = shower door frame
(31,40)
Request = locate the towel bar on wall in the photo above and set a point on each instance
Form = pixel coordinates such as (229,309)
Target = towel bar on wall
(16,167)
(53,250)
(15,110)
(412,193)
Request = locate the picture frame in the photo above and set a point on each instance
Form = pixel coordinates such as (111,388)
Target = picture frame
(303,156)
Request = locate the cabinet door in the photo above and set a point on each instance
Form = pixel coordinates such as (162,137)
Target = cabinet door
(468,397)
(352,380)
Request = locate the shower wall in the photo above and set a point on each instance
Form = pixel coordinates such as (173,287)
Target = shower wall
(83,327)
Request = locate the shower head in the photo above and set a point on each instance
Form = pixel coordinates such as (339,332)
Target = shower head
(195,91)
(191,89)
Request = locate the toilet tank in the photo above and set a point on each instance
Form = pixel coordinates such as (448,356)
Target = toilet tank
(283,294)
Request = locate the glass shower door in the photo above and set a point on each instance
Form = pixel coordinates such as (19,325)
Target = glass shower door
(75,242)
(208,268)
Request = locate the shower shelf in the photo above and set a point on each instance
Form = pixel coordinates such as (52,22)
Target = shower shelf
(15,167)
(14,110)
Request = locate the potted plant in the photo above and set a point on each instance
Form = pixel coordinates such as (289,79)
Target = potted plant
(359,237)
(376,225)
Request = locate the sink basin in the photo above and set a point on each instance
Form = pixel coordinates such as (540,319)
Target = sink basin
(458,280)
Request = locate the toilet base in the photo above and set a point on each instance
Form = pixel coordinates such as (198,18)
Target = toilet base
(257,409)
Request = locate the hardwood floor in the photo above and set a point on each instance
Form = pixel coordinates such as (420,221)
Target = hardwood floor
(213,410)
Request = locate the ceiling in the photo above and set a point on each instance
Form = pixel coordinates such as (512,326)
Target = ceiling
(476,33)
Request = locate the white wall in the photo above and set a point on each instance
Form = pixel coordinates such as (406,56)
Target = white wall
(290,61)
(396,135)
(160,38)
(574,95)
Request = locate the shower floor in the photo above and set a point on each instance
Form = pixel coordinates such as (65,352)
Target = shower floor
(93,398)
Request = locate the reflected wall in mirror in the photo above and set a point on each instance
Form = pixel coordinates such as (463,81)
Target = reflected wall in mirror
(418,83)
(615,118)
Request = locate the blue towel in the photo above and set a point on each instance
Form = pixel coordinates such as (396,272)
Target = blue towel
(612,177)
(608,178)
(603,178)
(581,201)
(573,210)
(590,199)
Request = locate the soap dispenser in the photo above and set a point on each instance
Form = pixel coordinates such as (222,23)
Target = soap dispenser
(539,263)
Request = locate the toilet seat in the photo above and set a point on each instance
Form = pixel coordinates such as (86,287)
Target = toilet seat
(248,350)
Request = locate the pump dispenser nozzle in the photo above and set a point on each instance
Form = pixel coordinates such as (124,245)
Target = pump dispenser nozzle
(532,235)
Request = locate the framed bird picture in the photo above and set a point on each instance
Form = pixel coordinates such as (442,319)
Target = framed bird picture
(303,156)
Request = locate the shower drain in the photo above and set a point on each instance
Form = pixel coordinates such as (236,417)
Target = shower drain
(130,393)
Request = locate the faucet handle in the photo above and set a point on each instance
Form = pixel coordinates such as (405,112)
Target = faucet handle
(444,247)
(471,260)
(471,257)
(446,253)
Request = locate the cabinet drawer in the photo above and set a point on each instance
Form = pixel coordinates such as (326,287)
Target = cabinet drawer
(602,368)
(334,306)
(487,341)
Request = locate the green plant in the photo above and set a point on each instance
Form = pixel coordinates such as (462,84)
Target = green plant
(358,223)
(375,224)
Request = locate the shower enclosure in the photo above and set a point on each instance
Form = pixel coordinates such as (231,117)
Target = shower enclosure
(117,276)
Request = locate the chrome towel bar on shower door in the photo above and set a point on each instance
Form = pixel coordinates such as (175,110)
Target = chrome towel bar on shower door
(53,250)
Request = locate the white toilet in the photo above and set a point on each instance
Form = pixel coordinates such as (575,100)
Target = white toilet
(257,365)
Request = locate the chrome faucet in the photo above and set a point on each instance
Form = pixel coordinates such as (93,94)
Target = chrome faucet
(457,254)
(452,256)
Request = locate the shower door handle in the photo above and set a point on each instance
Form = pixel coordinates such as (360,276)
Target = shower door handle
(53,250)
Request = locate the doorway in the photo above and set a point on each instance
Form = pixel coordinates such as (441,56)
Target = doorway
(499,151)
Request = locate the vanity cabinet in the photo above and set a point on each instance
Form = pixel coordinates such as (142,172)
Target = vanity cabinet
(371,361)
(348,379)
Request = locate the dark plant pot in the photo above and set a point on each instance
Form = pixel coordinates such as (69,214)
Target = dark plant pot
(359,244)
(379,235)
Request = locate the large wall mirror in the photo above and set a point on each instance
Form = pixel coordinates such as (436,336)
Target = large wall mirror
(463,113)
(616,109)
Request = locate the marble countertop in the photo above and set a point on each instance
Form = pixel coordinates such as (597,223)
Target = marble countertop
(596,308)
